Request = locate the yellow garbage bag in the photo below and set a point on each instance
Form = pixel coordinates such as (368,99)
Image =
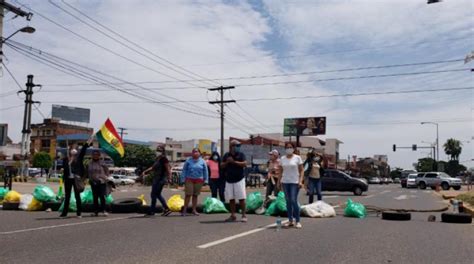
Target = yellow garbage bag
(12,197)
(175,203)
(142,198)
(35,205)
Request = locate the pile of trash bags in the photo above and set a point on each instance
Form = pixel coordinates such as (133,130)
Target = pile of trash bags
(3,192)
(318,209)
(213,206)
(175,203)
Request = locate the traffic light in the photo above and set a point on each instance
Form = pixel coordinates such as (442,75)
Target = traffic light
(394,147)
(413,147)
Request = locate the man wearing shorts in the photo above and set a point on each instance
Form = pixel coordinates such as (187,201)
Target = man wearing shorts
(233,164)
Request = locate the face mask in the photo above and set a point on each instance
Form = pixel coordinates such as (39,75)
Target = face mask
(237,148)
(289,151)
(214,157)
(159,153)
(60,155)
(316,159)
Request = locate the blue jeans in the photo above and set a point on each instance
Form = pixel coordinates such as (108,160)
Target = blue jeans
(156,189)
(217,185)
(314,185)
(291,194)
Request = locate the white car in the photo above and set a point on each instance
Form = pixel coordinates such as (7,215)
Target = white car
(121,180)
(411,180)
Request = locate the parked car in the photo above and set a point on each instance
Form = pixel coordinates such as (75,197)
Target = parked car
(335,180)
(432,179)
(390,180)
(384,181)
(396,180)
(411,181)
(121,179)
(374,180)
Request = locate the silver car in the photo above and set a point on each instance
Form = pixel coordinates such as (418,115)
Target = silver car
(411,180)
(432,179)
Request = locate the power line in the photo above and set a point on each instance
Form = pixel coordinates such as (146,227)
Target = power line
(282,75)
(126,39)
(303,97)
(86,76)
(105,48)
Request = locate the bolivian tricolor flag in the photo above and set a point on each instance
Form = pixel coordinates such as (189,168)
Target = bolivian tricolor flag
(110,141)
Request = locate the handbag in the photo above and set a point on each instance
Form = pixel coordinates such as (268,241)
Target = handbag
(79,183)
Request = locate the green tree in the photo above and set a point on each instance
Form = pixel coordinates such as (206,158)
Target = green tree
(453,148)
(425,165)
(42,160)
(396,173)
(137,156)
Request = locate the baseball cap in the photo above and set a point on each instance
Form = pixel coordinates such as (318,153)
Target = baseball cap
(234,142)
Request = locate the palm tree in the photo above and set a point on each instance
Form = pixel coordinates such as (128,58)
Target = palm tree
(453,148)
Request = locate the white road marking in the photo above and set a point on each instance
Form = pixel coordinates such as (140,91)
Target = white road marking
(386,191)
(401,197)
(227,239)
(331,196)
(63,225)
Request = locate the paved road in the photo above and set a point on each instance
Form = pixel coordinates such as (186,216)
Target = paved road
(39,237)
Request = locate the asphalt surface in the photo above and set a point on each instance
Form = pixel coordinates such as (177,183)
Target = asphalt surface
(40,237)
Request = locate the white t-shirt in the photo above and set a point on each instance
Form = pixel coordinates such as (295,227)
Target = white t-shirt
(291,172)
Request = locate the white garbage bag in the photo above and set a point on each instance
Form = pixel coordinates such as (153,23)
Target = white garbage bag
(318,209)
(25,201)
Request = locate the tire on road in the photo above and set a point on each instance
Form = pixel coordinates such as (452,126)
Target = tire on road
(461,218)
(357,191)
(445,186)
(54,206)
(422,185)
(457,188)
(126,206)
(10,206)
(396,216)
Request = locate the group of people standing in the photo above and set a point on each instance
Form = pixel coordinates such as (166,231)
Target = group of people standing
(289,173)
(225,176)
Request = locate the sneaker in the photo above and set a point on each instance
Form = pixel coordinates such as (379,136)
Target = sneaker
(231,219)
(63,216)
(244,219)
(105,214)
(166,212)
(79,216)
(298,225)
(94,214)
(288,224)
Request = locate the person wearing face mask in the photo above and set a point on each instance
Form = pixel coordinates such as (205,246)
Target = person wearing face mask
(216,179)
(292,180)
(73,164)
(195,174)
(233,164)
(314,165)
(161,175)
(97,173)
(273,178)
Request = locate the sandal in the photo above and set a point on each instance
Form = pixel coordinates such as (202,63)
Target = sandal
(195,213)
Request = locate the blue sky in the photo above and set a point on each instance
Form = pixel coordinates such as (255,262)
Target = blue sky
(219,39)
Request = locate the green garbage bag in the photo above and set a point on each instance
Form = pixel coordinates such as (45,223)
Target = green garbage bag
(281,202)
(3,192)
(272,209)
(355,209)
(72,205)
(213,206)
(87,197)
(109,199)
(254,201)
(44,193)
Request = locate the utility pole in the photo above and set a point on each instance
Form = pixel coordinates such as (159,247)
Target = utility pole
(17,11)
(222,102)
(26,132)
(122,132)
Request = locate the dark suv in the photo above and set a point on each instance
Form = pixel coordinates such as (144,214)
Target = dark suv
(335,180)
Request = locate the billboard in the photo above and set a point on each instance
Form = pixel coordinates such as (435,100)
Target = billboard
(74,114)
(304,126)
(3,134)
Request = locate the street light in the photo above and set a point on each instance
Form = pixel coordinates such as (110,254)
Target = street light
(26,29)
(437,137)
